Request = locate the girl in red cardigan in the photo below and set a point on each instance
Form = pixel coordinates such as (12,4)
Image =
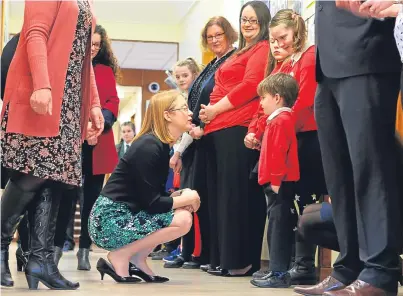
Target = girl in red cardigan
(292,55)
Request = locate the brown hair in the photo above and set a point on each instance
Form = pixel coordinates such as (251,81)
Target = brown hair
(105,54)
(154,120)
(192,65)
(263,18)
(224,24)
(130,124)
(282,84)
(291,20)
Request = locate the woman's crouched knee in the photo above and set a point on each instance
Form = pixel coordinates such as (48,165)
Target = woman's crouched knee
(185,222)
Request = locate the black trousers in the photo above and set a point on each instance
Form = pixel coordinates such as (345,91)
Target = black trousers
(282,220)
(188,240)
(236,203)
(92,187)
(70,225)
(356,127)
(199,183)
(69,196)
(316,226)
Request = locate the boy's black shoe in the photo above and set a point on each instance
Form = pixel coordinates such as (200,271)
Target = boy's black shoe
(301,275)
(273,280)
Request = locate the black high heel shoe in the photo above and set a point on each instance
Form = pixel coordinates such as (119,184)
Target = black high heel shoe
(104,267)
(134,270)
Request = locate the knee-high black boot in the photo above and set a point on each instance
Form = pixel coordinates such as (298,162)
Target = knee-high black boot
(14,203)
(41,266)
(22,252)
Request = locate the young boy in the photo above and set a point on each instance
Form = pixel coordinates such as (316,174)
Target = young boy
(278,171)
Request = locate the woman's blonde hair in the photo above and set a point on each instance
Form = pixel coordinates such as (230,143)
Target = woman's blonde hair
(154,120)
(291,20)
(192,65)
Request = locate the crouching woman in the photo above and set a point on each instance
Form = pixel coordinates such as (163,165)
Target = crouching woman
(134,214)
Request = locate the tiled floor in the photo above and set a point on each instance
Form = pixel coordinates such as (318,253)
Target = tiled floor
(186,282)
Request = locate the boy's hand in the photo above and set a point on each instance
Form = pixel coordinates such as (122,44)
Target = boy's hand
(249,140)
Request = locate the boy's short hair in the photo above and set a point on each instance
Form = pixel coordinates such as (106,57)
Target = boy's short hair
(283,84)
(129,123)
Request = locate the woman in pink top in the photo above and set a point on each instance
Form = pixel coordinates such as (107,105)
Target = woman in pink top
(50,105)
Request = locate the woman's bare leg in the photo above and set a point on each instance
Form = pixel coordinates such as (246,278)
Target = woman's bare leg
(180,225)
(140,260)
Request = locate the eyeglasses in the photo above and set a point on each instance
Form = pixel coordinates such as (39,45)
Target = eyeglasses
(250,21)
(218,36)
(96,45)
(184,108)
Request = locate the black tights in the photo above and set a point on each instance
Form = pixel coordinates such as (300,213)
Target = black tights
(315,230)
(66,210)
(27,183)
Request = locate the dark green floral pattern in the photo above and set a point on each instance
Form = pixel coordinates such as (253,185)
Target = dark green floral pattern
(112,225)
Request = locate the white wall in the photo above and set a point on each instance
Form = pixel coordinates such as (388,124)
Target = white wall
(197,18)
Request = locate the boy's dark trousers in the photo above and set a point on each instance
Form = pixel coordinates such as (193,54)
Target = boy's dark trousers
(282,218)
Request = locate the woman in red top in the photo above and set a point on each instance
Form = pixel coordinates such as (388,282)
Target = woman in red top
(236,203)
(50,97)
(292,55)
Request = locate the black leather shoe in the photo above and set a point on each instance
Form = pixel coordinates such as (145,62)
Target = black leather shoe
(134,270)
(225,272)
(260,274)
(206,267)
(273,280)
(218,271)
(176,263)
(159,255)
(83,259)
(192,264)
(303,276)
(41,266)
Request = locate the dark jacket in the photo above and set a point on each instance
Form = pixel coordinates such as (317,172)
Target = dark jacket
(140,177)
(348,45)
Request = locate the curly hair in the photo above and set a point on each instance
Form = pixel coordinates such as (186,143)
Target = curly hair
(105,54)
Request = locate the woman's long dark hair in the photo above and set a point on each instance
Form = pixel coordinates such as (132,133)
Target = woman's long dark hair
(263,17)
(105,54)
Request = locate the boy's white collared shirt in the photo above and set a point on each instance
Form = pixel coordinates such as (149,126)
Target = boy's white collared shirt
(399,32)
(277,112)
